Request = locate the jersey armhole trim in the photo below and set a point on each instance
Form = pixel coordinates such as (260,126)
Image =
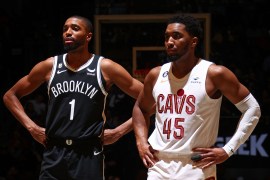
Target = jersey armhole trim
(99,74)
(52,73)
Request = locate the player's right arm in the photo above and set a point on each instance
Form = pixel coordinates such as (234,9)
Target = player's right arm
(145,107)
(39,74)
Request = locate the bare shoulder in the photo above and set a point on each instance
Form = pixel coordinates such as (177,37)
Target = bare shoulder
(218,71)
(155,71)
(107,63)
(44,64)
(110,68)
(152,76)
(226,82)
(42,70)
(47,63)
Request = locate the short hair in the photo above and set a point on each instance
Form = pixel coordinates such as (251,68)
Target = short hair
(193,26)
(88,23)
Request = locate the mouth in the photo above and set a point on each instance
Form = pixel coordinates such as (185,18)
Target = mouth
(68,40)
(171,51)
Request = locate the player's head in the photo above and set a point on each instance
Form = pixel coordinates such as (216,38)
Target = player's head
(77,33)
(192,25)
(87,22)
(182,36)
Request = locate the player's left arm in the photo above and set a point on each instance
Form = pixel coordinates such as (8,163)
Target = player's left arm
(113,135)
(114,73)
(244,101)
(225,81)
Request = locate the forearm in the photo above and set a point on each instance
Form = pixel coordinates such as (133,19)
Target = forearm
(141,133)
(140,126)
(124,128)
(250,116)
(15,107)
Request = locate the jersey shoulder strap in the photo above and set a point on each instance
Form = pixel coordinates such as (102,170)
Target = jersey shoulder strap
(96,57)
(60,58)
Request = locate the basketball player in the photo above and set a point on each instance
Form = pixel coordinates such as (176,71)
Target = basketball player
(78,83)
(187,92)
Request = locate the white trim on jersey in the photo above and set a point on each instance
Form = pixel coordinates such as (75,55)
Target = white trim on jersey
(52,74)
(99,77)
(86,64)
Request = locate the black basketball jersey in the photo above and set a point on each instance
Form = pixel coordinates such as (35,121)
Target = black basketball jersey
(76,100)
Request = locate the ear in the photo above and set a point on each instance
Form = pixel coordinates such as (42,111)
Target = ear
(195,41)
(89,36)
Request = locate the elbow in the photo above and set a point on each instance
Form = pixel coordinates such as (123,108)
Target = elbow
(258,112)
(255,114)
(6,98)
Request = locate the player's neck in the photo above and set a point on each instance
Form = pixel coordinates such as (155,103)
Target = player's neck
(77,60)
(182,67)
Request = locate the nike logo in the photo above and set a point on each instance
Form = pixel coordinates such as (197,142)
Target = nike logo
(97,153)
(59,72)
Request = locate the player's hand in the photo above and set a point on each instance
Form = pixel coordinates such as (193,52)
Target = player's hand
(147,154)
(38,133)
(110,136)
(210,156)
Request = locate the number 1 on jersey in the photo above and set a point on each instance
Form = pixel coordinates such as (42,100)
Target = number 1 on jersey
(72,104)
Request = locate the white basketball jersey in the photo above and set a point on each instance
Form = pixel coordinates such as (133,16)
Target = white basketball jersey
(186,117)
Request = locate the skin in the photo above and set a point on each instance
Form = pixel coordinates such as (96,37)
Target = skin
(220,81)
(74,32)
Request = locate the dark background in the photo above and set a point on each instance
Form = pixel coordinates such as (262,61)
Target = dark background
(30,31)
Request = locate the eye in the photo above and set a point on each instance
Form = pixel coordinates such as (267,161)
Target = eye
(76,28)
(176,36)
(65,29)
(166,36)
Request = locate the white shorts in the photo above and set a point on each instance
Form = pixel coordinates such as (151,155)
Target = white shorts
(172,167)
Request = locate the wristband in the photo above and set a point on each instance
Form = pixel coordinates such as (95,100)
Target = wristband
(228,150)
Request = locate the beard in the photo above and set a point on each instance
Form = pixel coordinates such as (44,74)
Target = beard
(172,58)
(72,46)
(179,54)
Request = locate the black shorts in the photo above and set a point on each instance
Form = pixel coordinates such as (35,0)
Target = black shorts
(64,163)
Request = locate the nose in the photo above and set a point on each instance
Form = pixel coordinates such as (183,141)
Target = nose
(170,43)
(68,32)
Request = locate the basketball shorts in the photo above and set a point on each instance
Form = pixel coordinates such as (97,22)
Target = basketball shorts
(61,163)
(171,167)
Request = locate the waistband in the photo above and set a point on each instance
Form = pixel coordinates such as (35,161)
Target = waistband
(76,144)
(169,155)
